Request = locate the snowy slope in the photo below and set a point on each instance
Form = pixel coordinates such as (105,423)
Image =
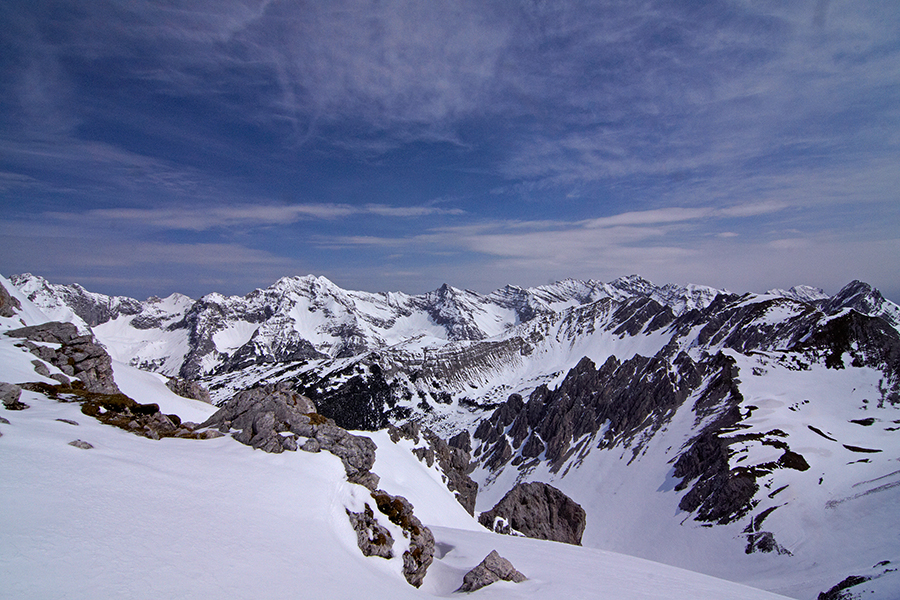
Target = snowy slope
(16,362)
(831,517)
(753,438)
(151,339)
(137,518)
(150,388)
(27,313)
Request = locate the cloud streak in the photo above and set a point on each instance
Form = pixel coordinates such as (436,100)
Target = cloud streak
(632,237)
(203,218)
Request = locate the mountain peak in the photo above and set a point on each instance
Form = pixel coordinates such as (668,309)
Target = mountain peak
(803,293)
(633,284)
(863,298)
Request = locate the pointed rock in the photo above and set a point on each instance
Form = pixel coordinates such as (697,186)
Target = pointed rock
(540,511)
(493,568)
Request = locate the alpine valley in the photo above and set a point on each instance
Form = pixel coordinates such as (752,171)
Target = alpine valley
(752,438)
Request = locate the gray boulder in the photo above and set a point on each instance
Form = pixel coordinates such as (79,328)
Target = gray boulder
(9,395)
(81,444)
(288,409)
(493,568)
(540,511)
(274,418)
(265,417)
(188,389)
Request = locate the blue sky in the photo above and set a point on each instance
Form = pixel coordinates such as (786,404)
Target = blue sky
(217,145)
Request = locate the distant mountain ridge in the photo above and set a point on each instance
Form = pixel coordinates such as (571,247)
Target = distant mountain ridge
(303,319)
(307,317)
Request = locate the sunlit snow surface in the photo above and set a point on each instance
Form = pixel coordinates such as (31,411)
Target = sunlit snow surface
(838,517)
(137,518)
(150,388)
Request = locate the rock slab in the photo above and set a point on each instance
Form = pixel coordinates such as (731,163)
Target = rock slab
(9,396)
(540,511)
(274,418)
(77,355)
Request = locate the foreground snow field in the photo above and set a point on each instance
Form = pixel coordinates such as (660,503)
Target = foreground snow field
(137,518)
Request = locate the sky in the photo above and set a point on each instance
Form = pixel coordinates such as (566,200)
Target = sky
(148,147)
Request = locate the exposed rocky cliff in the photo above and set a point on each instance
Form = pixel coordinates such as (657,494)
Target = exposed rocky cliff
(76,355)
(453,457)
(9,305)
(537,510)
(276,419)
(587,399)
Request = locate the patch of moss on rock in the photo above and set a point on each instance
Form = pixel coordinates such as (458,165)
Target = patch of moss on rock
(420,554)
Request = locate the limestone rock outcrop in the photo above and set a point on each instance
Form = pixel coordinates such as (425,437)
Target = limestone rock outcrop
(188,389)
(374,539)
(371,537)
(76,355)
(420,554)
(275,419)
(9,305)
(454,458)
(537,510)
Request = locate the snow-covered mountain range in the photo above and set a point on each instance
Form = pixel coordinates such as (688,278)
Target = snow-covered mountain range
(751,437)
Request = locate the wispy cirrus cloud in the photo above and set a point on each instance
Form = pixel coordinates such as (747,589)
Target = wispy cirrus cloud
(680,245)
(383,63)
(566,242)
(734,87)
(121,264)
(204,217)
